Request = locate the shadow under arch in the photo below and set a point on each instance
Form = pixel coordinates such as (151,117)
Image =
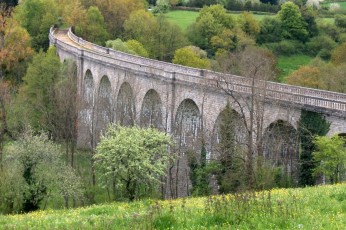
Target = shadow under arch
(280,147)
(151,111)
(103,105)
(125,106)
(228,132)
(188,125)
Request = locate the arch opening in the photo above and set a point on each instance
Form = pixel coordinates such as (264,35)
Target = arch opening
(125,108)
(229,135)
(104,102)
(280,147)
(188,125)
(87,98)
(151,112)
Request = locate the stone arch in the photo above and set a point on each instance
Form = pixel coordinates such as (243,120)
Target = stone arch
(230,122)
(187,131)
(104,103)
(188,124)
(86,114)
(151,112)
(125,107)
(280,147)
(88,88)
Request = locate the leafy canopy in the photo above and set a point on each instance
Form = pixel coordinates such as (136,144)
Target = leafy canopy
(132,158)
(330,156)
(192,56)
(292,21)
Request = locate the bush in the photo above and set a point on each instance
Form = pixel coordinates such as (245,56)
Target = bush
(340,21)
(329,29)
(286,47)
(321,44)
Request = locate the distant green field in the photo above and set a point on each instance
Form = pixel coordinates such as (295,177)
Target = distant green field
(342,4)
(287,65)
(182,18)
(185,18)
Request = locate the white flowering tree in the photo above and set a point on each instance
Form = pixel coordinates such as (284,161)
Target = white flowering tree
(132,159)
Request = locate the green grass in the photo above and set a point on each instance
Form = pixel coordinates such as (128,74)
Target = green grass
(288,64)
(309,208)
(342,4)
(182,18)
(185,18)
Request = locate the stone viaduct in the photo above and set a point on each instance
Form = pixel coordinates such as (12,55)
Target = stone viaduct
(186,102)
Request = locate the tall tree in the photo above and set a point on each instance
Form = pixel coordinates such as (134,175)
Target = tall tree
(330,157)
(65,108)
(230,176)
(210,22)
(293,24)
(133,158)
(42,171)
(259,66)
(309,125)
(38,90)
(115,13)
(37,16)
(70,12)
(14,46)
(191,56)
(158,36)
(93,28)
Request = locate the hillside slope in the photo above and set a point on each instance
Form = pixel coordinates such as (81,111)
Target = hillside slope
(321,207)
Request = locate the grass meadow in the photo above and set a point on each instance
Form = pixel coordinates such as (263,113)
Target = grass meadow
(342,4)
(288,64)
(185,18)
(321,207)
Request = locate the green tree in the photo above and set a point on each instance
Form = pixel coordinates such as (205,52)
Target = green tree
(310,124)
(65,108)
(132,159)
(249,24)
(167,38)
(210,22)
(191,56)
(93,27)
(15,47)
(38,90)
(140,26)
(137,47)
(37,16)
(41,174)
(231,177)
(293,24)
(131,46)
(162,6)
(119,45)
(309,15)
(271,30)
(338,54)
(340,21)
(330,157)
(158,36)
(116,12)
